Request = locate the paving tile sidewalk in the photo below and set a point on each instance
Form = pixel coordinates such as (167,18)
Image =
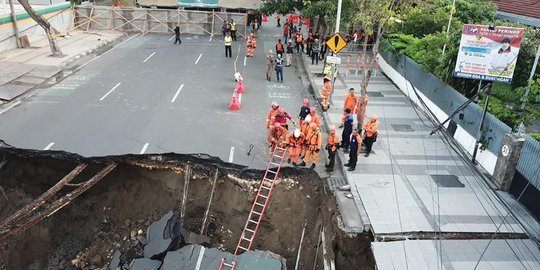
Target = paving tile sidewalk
(23,69)
(412,182)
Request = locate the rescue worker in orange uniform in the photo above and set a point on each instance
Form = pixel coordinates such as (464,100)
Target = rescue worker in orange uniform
(332,144)
(314,118)
(251,45)
(277,137)
(281,117)
(350,103)
(370,133)
(304,128)
(271,115)
(313,146)
(295,141)
(325,93)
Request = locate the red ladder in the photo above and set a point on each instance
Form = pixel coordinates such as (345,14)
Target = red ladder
(259,205)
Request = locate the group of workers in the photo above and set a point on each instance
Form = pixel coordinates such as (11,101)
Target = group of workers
(306,140)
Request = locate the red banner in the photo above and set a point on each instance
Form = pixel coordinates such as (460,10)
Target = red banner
(264,18)
(293,18)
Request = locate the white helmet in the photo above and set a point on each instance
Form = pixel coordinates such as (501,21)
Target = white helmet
(296,133)
(308,118)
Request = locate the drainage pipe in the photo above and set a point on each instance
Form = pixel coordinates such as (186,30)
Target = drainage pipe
(209,202)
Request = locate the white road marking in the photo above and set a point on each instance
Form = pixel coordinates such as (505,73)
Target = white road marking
(198,58)
(199,260)
(144,148)
(10,107)
(121,43)
(177,92)
(110,91)
(48,147)
(210,39)
(231,154)
(245,59)
(240,98)
(171,38)
(148,57)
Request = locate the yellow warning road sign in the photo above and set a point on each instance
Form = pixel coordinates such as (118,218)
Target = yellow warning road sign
(336,43)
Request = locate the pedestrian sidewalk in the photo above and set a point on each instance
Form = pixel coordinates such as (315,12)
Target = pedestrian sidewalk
(23,69)
(414,185)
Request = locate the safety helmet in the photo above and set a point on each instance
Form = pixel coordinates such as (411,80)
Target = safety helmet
(312,110)
(375,117)
(270,51)
(326,78)
(277,125)
(296,133)
(281,110)
(308,118)
(275,104)
(332,128)
(251,35)
(306,101)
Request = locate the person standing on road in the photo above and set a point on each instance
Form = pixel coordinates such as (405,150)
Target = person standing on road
(370,133)
(299,41)
(325,93)
(313,146)
(233,29)
(314,118)
(278,19)
(251,45)
(315,52)
(309,43)
(279,68)
(272,114)
(347,129)
(355,144)
(269,65)
(324,47)
(350,103)
(280,48)
(332,144)
(177,35)
(277,137)
(286,31)
(304,111)
(228,45)
(295,141)
(290,50)
(225,28)
(281,118)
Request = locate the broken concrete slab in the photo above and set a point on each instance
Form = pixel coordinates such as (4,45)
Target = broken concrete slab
(28,80)
(10,91)
(144,264)
(115,261)
(157,243)
(44,72)
(196,257)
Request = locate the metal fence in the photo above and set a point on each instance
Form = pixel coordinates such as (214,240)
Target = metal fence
(529,161)
(145,20)
(448,100)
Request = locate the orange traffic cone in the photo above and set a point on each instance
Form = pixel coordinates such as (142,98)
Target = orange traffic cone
(240,87)
(235,105)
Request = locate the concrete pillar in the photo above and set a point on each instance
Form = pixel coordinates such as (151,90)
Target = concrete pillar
(507,161)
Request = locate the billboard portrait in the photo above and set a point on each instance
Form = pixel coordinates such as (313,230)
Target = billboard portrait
(488,53)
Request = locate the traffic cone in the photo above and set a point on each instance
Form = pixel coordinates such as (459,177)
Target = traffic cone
(240,87)
(235,105)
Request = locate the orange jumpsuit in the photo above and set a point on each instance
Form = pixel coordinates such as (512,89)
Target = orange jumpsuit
(277,137)
(313,144)
(350,103)
(315,119)
(325,94)
(251,45)
(270,117)
(295,146)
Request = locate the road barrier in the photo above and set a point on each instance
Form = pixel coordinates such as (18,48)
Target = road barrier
(235,105)
(239,87)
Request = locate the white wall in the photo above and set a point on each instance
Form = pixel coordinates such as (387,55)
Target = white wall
(485,158)
(62,21)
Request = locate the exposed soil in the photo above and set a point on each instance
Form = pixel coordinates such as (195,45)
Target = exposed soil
(117,210)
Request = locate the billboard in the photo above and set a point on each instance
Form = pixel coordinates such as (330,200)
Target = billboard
(488,53)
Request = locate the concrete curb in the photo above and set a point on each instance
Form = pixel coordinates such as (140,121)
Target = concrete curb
(326,119)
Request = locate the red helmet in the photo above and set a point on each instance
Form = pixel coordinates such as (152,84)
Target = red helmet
(306,101)
(312,110)
(277,125)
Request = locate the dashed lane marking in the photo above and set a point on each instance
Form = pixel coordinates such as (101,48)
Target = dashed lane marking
(231,154)
(110,91)
(177,92)
(245,60)
(48,147)
(144,148)
(198,58)
(148,57)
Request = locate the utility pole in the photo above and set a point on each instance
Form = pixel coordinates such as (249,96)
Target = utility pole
(533,70)
(338,16)
(484,112)
(15,27)
(449,23)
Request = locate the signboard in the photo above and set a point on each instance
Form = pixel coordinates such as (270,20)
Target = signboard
(293,18)
(333,60)
(336,43)
(488,53)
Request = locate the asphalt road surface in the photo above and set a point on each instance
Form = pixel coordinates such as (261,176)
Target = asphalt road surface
(150,96)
